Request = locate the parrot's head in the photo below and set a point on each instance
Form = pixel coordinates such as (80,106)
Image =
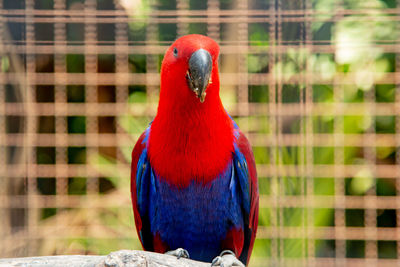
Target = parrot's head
(190,68)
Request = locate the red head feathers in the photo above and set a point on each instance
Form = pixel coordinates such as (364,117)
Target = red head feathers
(191,136)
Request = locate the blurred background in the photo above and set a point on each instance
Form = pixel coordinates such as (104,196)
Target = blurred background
(315,84)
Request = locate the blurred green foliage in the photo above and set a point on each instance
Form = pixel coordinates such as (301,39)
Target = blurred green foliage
(356,55)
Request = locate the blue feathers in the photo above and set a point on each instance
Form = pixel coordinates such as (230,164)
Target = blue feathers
(143,169)
(197,217)
(242,175)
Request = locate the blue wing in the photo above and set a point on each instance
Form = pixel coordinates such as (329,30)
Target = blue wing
(246,175)
(140,188)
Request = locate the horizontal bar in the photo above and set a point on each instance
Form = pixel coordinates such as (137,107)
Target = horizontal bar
(140,47)
(243,18)
(268,203)
(208,12)
(94,139)
(255,109)
(338,202)
(264,170)
(337,233)
(277,232)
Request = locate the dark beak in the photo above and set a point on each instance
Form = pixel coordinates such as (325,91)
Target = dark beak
(198,75)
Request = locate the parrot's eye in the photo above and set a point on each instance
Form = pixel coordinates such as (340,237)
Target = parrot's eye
(175,52)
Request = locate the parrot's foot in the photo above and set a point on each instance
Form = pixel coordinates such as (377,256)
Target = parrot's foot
(226,259)
(179,253)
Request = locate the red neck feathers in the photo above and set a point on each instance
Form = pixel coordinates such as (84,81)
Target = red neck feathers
(189,140)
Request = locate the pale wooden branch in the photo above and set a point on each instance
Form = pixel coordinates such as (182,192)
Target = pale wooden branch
(122,258)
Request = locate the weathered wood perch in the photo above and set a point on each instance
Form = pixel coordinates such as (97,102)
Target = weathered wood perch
(121,258)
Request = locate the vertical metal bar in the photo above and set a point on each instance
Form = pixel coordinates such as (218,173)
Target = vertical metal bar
(340,241)
(340,201)
(301,142)
(243,86)
(183,27)
(309,135)
(60,99)
(4,180)
(91,86)
(397,130)
(280,146)
(30,130)
(122,91)
(213,28)
(91,67)
(369,147)
(272,133)
(151,64)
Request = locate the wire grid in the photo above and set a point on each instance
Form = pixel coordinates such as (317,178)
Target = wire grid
(69,63)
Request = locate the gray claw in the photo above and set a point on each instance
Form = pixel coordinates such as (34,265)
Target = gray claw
(226,259)
(216,261)
(179,253)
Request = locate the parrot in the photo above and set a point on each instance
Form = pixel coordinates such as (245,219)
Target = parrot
(194,185)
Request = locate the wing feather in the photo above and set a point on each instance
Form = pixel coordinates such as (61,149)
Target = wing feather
(140,181)
(245,169)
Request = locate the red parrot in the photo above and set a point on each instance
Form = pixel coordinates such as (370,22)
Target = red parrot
(193,182)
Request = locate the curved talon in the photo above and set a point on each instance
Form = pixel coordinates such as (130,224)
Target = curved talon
(227,252)
(179,253)
(216,261)
(226,259)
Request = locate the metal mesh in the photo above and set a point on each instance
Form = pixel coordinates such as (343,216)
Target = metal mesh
(315,85)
